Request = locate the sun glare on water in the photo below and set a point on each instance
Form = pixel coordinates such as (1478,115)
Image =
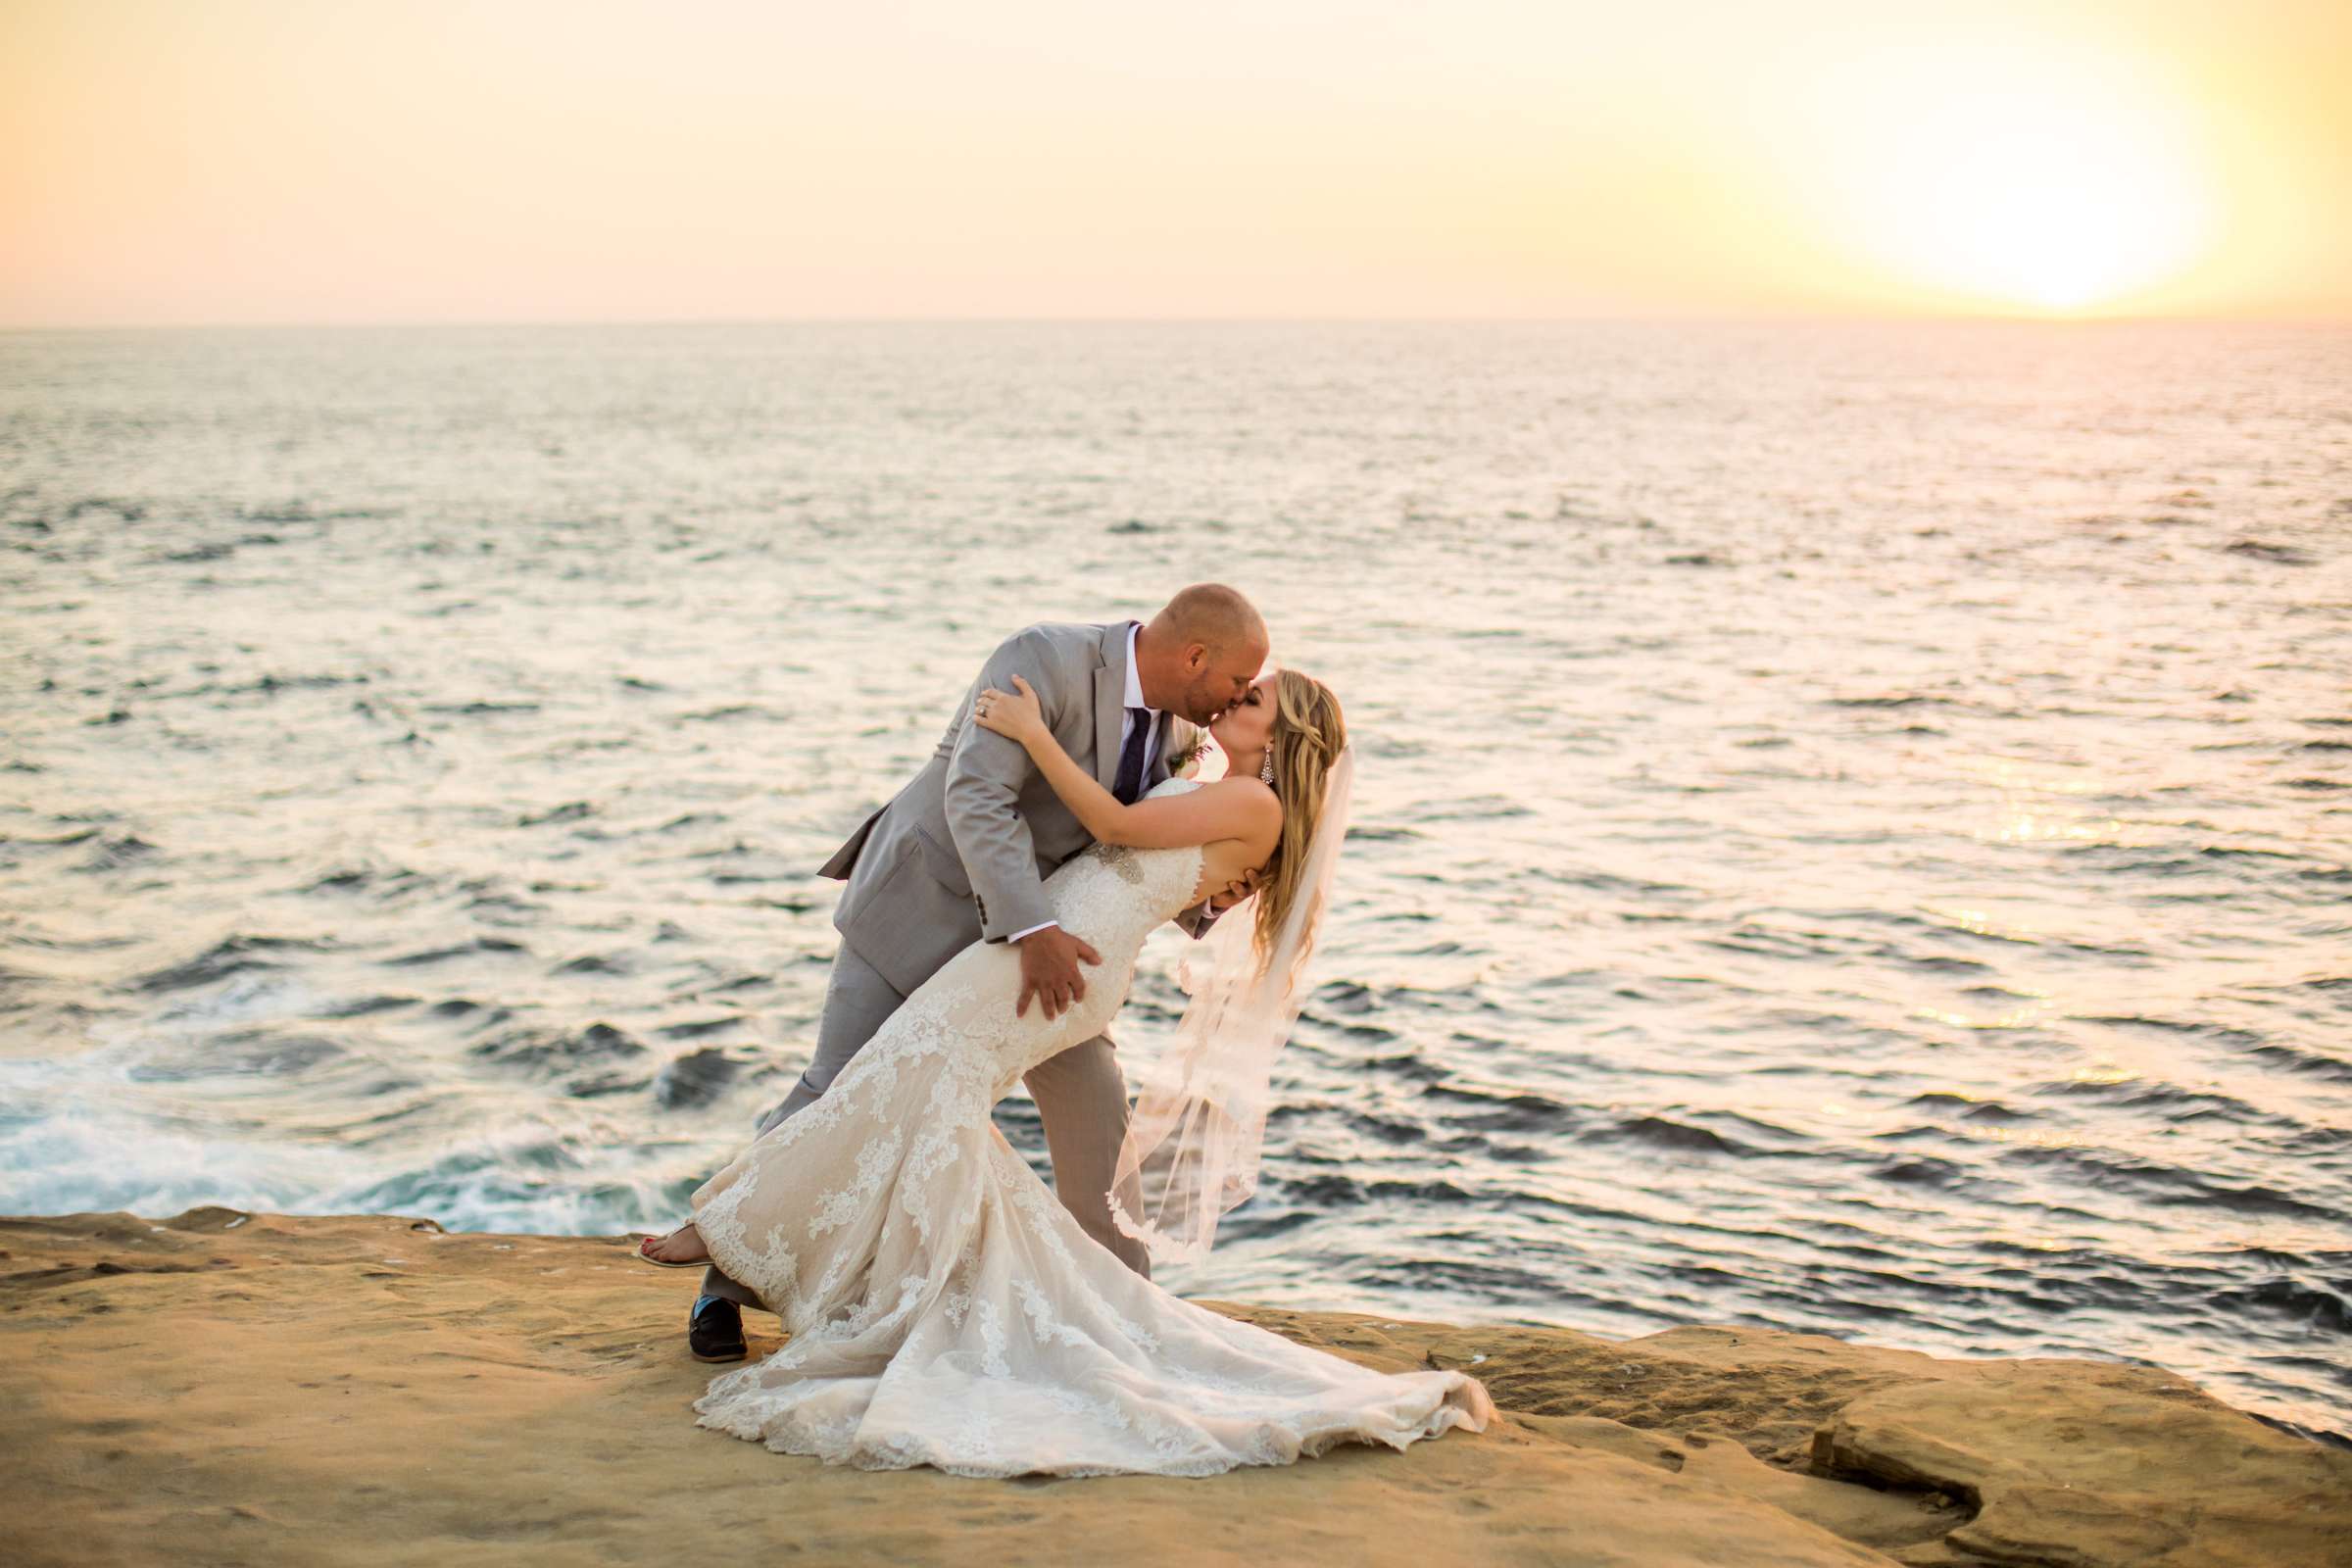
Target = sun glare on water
(2046,182)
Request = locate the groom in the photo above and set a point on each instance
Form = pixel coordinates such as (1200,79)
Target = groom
(962,854)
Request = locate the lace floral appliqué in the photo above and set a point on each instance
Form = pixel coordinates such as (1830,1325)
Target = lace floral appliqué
(944,1309)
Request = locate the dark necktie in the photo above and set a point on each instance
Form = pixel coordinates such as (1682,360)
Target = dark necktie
(1131,757)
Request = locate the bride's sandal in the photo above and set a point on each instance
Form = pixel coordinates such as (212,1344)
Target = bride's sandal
(644,1256)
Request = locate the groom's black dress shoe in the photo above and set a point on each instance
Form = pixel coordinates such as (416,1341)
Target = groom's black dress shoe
(715,1330)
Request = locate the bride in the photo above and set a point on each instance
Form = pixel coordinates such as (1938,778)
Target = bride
(943,1308)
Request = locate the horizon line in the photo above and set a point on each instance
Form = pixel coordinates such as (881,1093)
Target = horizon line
(1777,319)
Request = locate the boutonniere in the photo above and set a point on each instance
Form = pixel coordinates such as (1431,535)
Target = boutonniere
(1190,748)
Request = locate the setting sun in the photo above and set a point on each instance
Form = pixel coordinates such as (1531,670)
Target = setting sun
(2041,179)
(249,161)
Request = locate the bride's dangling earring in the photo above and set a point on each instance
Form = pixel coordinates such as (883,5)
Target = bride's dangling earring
(1265,770)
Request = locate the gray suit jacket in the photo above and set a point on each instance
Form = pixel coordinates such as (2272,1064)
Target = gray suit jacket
(961,852)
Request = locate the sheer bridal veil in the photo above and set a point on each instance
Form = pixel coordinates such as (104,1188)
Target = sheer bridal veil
(1191,1147)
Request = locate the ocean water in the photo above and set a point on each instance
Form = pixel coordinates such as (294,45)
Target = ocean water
(1855,830)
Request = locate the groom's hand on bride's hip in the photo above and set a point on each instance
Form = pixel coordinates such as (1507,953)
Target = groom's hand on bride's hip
(1049,970)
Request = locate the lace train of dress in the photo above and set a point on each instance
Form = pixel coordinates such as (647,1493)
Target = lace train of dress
(946,1309)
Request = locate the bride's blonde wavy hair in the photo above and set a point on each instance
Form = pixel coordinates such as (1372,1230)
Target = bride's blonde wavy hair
(1309,733)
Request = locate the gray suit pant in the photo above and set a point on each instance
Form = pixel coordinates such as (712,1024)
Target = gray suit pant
(1081,1096)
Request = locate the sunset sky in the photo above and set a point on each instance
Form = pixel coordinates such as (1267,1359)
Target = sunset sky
(309,161)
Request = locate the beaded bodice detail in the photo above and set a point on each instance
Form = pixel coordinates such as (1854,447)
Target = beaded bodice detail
(1124,893)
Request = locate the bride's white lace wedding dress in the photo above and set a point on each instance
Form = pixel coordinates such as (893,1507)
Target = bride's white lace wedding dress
(944,1309)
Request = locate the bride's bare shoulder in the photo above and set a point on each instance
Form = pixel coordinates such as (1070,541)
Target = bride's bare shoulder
(1251,800)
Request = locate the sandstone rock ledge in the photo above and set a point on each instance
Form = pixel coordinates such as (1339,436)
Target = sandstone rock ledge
(261,1389)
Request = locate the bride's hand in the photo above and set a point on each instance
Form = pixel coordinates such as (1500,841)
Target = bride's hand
(1014,715)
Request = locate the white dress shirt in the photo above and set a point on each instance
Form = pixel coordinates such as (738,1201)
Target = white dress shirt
(1134,700)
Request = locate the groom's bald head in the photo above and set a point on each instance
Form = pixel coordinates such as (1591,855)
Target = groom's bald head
(1199,653)
(1215,617)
